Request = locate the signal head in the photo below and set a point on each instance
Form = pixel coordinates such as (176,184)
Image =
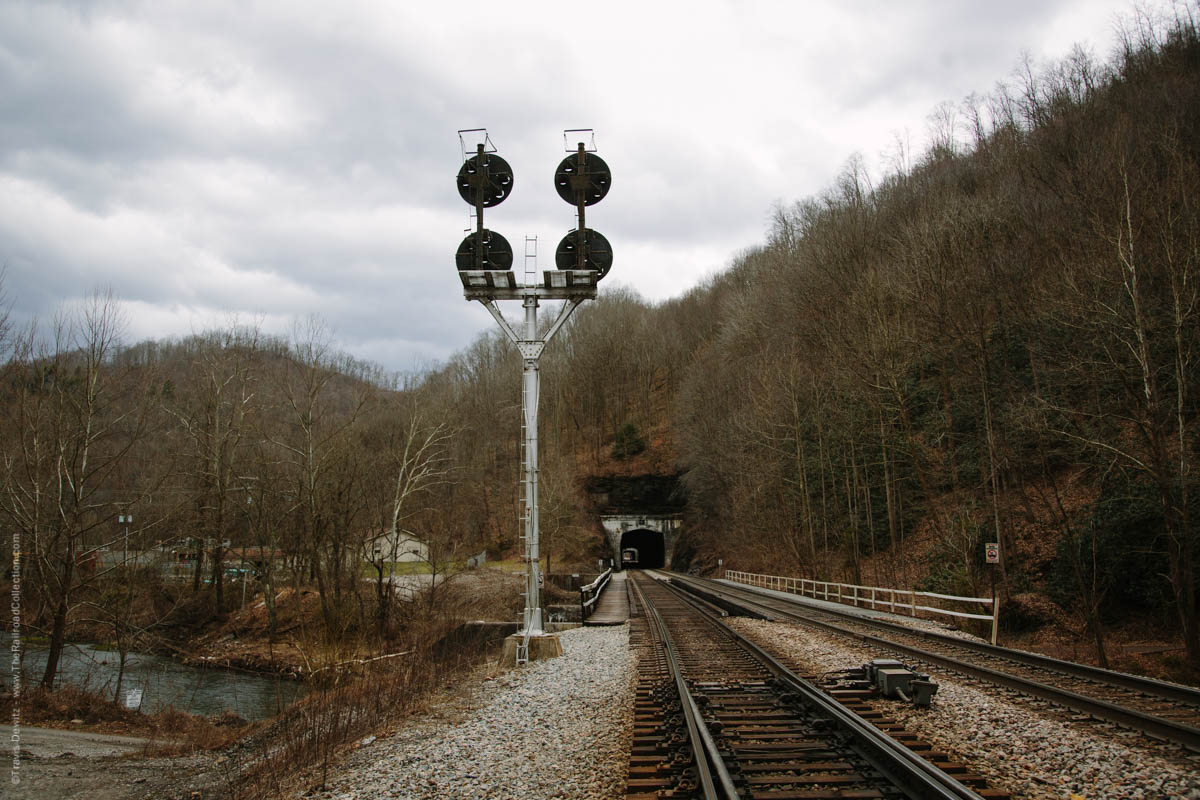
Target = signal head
(484,250)
(582,175)
(597,252)
(486,177)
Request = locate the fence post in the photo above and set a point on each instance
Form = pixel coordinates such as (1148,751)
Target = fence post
(995,618)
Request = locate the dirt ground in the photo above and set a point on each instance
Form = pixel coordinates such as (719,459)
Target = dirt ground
(75,764)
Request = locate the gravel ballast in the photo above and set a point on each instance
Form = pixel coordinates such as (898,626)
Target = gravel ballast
(557,728)
(1028,754)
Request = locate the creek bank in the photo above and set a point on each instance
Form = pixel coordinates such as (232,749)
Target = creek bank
(153,683)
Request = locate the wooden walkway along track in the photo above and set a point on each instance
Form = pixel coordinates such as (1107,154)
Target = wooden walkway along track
(613,606)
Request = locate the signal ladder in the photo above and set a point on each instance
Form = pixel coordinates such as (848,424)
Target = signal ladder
(530,279)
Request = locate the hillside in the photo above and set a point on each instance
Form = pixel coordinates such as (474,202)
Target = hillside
(996,345)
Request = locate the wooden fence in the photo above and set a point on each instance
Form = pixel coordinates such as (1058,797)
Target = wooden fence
(878,598)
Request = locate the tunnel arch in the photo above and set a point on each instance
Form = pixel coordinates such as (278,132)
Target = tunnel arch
(651,546)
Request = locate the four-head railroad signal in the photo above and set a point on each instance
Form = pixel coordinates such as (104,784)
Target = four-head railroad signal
(484,258)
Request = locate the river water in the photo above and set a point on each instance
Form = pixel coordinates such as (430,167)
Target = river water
(165,683)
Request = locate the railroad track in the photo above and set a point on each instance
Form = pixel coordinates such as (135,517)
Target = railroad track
(1161,710)
(717,717)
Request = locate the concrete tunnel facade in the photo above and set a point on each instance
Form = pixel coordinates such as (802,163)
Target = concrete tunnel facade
(655,533)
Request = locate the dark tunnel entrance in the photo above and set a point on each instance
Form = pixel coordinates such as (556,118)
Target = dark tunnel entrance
(651,549)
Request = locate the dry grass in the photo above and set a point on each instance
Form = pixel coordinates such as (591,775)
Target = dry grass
(302,744)
(350,702)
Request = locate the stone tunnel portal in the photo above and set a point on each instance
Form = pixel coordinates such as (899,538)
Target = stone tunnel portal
(651,547)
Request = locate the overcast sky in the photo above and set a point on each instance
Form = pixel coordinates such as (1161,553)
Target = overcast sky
(275,159)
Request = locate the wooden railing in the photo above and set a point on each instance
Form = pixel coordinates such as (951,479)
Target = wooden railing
(588,595)
(896,601)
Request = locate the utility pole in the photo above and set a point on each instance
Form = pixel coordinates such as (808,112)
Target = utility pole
(126,520)
(484,261)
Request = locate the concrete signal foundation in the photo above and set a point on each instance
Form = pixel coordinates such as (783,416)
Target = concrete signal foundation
(540,647)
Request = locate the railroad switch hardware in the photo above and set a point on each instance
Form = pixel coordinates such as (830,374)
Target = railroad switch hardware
(892,679)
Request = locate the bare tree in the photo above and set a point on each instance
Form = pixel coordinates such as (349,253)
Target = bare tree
(75,420)
(415,453)
(321,411)
(216,413)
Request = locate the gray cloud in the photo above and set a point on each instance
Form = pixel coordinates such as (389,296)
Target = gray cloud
(283,159)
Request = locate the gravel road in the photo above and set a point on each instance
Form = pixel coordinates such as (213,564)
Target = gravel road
(77,765)
(558,728)
(52,742)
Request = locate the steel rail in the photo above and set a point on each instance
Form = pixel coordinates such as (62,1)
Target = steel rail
(703,746)
(1180,733)
(1137,683)
(903,767)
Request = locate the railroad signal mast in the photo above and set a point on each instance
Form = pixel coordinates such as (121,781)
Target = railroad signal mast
(484,260)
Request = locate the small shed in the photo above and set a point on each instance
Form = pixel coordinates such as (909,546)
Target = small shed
(401,546)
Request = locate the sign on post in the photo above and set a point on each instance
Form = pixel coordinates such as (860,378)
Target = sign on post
(992,552)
